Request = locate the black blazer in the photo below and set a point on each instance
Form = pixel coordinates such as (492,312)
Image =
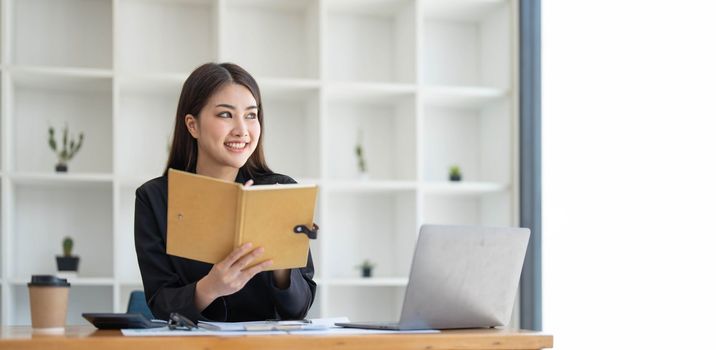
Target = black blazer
(170,281)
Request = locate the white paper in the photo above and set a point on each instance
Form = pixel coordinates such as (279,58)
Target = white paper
(162,332)
(233,329)
(166,332)
(358,331)
(260,326)
(322,326)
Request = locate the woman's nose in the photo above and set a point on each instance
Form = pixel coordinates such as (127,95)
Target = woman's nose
(240,128)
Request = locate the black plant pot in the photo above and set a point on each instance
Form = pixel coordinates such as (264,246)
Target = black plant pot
(67,263)
(61,168)
(455,177)
(367,271)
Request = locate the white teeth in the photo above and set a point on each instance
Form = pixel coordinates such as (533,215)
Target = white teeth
(235,145)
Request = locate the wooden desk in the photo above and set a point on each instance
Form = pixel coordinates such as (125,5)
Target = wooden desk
(87,337)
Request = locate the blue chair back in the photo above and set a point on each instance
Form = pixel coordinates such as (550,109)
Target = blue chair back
(138,304)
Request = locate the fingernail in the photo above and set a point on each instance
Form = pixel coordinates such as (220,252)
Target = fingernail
(260,250)
(247,245)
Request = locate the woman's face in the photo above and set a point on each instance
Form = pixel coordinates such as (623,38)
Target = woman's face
(228,129)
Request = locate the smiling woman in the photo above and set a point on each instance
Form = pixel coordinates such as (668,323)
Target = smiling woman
(219,110)
(217,133)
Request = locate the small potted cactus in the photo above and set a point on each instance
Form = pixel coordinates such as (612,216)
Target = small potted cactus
(366,268)
(455,173)
(66,261)
(362,169)
(70,147)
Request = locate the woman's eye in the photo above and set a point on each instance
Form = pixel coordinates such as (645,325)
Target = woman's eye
(225,115)
(251,116)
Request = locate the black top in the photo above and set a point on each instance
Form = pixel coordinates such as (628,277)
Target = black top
(170,281)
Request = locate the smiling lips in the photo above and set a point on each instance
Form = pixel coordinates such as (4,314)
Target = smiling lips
(235,146)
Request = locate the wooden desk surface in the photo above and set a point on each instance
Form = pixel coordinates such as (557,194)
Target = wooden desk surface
(87,337)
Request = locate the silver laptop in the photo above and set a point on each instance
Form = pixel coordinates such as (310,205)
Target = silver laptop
(461,277)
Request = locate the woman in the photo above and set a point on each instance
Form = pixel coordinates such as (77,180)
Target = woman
(217,133)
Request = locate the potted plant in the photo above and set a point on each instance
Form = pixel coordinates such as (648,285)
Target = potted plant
(455,174)
(359,154)
(69,148)
(67,262)
(366,268)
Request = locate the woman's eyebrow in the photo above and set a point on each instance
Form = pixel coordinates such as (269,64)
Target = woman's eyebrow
(234,107)
(226,105)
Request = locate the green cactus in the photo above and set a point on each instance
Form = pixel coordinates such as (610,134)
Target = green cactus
(359,153)
(455,171)
(66,153)
(366,264)
(67,245)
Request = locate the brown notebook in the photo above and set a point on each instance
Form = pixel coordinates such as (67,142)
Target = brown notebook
(208,217)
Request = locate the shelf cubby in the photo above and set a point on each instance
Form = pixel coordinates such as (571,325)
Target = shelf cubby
(380,227)
(485,142)
(386,124)
(55,33)
(467,43)
(285,47)
(370,41)
(84,104)
(49,212)
(160,36)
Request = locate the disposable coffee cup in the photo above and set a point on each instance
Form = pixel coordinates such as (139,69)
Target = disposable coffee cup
(48,303)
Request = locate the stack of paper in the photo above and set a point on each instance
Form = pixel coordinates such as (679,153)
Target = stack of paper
(318,326)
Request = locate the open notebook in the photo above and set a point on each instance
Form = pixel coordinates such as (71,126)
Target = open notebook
(208,217)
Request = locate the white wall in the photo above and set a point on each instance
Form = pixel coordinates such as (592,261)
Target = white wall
(629,117)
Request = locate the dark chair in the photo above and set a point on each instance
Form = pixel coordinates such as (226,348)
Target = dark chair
(138,304)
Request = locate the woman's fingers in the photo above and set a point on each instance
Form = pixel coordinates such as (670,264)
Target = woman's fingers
(253,270)
(235,255)
(228,279)
(246,260)
(249,183)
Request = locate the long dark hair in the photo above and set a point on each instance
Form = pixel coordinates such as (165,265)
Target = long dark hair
(198,88)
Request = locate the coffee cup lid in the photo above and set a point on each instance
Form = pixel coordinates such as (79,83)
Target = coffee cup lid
(47,281)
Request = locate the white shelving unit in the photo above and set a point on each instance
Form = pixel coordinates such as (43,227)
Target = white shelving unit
(428,84)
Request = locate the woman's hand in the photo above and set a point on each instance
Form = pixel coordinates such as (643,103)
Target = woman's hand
(230,275)
(282,278)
